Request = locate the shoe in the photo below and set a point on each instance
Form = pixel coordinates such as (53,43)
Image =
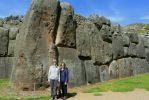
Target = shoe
(64,98)
(55,98)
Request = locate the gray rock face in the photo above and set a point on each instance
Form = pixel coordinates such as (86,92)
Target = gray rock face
(99,21)
(37,35)
(104,73)
(106,33)
(101,51)
(117,46)
(4,39)
(126,41)
(11,48)
(84,34)
(140,48)
(114,70)
(5,66)
(92,74)
(132,50)
(133,38)
(13,33)
(66,36)
(75,66)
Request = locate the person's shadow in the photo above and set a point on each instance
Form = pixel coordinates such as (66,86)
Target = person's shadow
(70,95)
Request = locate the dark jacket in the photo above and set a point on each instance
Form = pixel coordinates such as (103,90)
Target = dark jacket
(64,75)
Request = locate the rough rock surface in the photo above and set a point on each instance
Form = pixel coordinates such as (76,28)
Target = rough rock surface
(4,40)
(66,36)
(75,66)
(92,47)
(34,44)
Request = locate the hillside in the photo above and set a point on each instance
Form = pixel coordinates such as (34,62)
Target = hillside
(141,28)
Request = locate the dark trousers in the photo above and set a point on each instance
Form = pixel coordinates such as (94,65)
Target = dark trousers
(63,88)
(53,85)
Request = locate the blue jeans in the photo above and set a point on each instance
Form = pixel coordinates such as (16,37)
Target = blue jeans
(53,85)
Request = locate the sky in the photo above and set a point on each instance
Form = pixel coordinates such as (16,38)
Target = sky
(123,12)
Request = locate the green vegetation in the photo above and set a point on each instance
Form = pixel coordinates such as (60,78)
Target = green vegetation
(4,83)
(122,85)
(36,98)
(140,28)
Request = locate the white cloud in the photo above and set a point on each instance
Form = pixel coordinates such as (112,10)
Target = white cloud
(116,18)
(145,17)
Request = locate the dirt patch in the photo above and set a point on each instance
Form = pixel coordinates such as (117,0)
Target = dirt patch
(138,94)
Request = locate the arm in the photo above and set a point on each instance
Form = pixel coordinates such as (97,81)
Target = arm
(66,75)
(49,73)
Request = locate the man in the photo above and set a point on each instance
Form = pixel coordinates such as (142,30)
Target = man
(53,77)
(63,80)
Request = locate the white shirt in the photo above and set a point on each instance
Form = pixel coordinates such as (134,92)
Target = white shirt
(54,73)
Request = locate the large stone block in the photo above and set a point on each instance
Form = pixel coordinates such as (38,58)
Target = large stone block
(74,64)
(35,49)
(92,74)
(117,46)
(84,34)
(113,70)
(66,34)
(4,39)
(6,64)
(104,73)
(133,37)
(140,48)
(13,33)
(11,48)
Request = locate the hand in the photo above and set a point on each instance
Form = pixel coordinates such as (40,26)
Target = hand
(65,83)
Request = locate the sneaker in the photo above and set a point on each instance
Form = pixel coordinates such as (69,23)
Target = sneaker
(55,98)
(64,98)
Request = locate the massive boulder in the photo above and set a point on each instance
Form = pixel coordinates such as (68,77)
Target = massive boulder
(114,70)
(92,72)
(140,48)
(133,37)
(84,34)
(104,73)
(75,66)
(66,36)
(6,67)
(4,40)
(13,33)
(117,46)
(34,44)
(11,48)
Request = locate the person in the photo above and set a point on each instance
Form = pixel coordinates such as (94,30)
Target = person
(53,77)
(63,80)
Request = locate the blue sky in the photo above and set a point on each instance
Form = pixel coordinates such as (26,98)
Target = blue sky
(119,11)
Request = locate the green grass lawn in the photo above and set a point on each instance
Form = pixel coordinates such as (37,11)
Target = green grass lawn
(121,85)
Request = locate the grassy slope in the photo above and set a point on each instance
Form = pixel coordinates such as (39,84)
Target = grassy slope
(141,28)
(122,85)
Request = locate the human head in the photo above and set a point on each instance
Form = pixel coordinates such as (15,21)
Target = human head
(62,64)
(54,61)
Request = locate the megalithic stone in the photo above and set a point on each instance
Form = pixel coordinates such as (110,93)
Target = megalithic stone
(33,43)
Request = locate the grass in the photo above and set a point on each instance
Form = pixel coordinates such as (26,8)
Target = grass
(4,83)
(122,85)
(36,98)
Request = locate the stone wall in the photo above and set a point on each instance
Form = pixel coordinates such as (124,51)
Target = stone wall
(92,47)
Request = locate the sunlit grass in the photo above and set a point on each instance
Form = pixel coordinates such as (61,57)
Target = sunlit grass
(121,85)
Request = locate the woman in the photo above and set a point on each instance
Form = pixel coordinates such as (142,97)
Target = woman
(64,80)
